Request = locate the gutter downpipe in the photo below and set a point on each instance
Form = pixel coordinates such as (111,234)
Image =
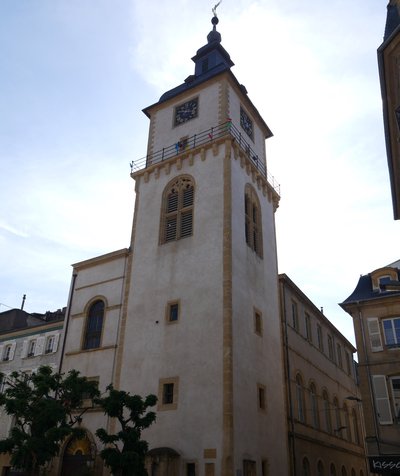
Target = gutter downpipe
(67,317)
(292,437)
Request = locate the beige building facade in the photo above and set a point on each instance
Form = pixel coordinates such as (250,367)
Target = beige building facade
(325,427)
(374,306)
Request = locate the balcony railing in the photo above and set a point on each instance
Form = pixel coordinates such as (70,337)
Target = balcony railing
(188,143)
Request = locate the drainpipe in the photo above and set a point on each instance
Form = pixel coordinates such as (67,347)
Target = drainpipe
(67,317)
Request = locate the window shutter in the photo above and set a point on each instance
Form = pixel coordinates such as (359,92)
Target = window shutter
(39,348)
(55,344)
(382,399)
(1,351)
(170,229)
(374,334)
(24,348)
(186,223)
(12,350)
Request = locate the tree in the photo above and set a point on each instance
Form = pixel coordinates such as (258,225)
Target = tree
(45,407)
(125,452)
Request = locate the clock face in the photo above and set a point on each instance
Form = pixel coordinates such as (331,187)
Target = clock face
(246,123)
(186,111)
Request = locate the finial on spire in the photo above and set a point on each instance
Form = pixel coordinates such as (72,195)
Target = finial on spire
(214,10)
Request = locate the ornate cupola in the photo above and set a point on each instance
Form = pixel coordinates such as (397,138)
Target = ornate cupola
(210,60)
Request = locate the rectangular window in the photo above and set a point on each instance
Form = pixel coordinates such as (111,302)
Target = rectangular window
(264,467)
(258,324)
(347,358)
(31,348)
(395,384)
(330,348)
(320,338)
(295,316)
(249,468)
(190,469)
(391,328)
(308,327)
(172,312)
(339,355)
(262,405)
(168,393)
(209,469)
(49,345)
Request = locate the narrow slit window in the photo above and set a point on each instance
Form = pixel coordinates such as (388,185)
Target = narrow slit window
(253,225)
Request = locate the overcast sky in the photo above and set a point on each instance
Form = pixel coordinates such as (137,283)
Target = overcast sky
(76,74)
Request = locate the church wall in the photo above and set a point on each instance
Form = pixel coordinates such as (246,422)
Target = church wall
(188,270)
(257,359)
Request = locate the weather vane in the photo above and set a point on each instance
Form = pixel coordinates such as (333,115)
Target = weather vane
(214,10)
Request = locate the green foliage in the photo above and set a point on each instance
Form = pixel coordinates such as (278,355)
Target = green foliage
(124,452)
(45,406)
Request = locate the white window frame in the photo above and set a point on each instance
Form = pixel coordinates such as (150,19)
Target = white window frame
(397,341)
(9,347)
(396,399)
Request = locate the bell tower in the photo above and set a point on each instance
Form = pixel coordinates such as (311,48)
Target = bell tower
(201,325)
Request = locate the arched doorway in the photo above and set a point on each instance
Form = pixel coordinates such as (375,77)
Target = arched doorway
(162,462)
(78,457)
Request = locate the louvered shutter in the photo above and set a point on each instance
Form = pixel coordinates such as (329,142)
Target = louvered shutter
(374,332)
(1,351)
(55,343)
(24,349)
(39,348)
(382,400)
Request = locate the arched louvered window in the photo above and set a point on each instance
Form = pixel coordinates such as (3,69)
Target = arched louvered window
(327,412)
(306,467)
(94,325)
(314,406)
(300,399)
(177,210)
(253,224)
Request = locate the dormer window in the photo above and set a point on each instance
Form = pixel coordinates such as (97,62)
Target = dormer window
(385,279)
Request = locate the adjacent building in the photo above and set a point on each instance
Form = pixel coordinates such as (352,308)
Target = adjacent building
(325,426)
(374,306)
(27,341)
(389,73)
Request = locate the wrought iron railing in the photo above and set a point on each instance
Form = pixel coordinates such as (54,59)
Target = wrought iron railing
(186,144)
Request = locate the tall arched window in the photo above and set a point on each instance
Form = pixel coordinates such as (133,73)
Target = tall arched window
(347,422)
(177,210)
(356,432)
(94,325)
(327,412)
(253,224)
(314,406)
(332,470)
(338,421)
(344,471)
(320,469)
(300,398)
(306,467)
